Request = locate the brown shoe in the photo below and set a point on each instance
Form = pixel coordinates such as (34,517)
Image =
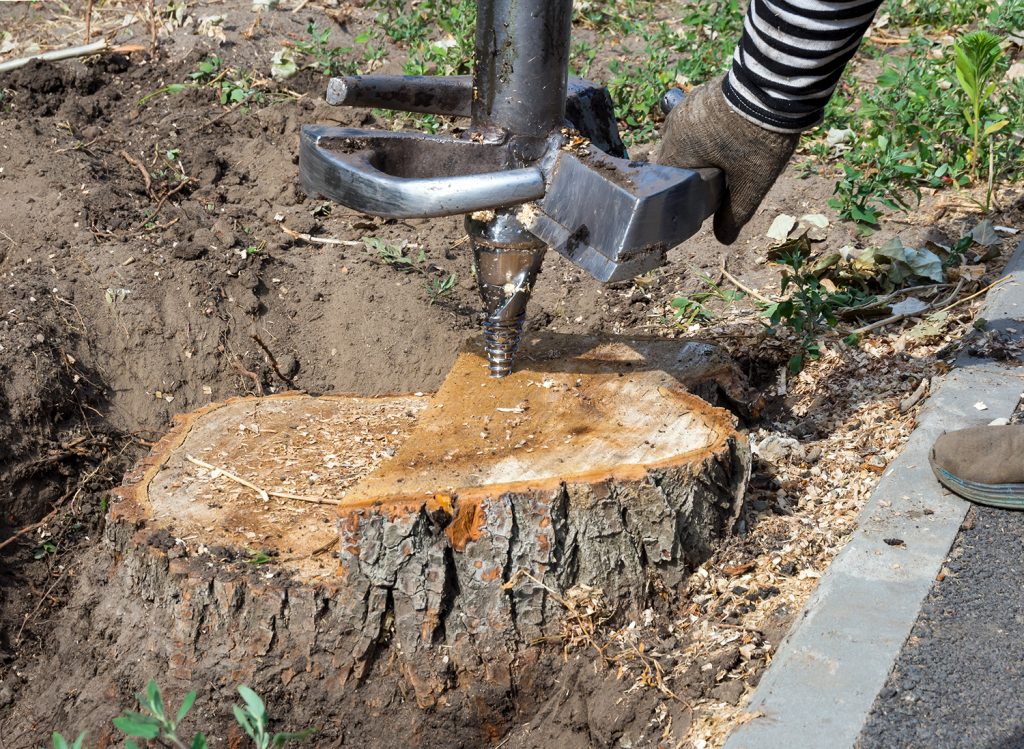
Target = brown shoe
(983,464)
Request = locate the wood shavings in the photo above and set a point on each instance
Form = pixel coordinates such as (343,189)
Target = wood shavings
(263,494)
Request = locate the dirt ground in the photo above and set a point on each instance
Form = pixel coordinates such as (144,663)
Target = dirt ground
(123,303)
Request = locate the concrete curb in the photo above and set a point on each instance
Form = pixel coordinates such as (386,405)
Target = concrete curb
(825,675)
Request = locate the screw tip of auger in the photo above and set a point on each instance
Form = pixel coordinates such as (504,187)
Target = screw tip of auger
(498,371)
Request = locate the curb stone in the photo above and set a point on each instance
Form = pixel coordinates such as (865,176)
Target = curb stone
(825,675)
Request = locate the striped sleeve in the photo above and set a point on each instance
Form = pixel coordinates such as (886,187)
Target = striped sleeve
(790,57)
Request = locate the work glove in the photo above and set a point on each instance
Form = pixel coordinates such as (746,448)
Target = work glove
(704,131)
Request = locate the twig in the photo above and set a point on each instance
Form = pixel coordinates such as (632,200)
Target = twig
(975,295)
(885,40)
(914,398)
(152,29)
(930,309)
(225,113)
(96,48)
(246,373)
(745,289)
(142,170)
(316,552)
(264,494)
(42,600)
(88,21)
(273,361)
(301,498)
(160,203)
(320,240)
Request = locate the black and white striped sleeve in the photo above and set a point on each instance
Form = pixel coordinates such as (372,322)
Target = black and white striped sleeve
(791,56)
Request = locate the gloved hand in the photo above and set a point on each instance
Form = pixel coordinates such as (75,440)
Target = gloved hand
(703,130)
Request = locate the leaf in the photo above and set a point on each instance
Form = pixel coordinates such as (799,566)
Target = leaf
(889,78)
(199,742)
(995,127)
(798,247)
(242,718)
(781,227)
(932,326)
(908,262)
(985,234)
(154,700)
(138,726)
(824,264)
(909,306)
(186,705)
(59,742)
(283,65)
(253,702)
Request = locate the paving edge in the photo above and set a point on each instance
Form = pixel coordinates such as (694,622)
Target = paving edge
(823,680)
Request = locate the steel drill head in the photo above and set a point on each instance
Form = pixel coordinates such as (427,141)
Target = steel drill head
(505,278)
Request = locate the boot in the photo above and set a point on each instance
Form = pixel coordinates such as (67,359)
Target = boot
(982,464)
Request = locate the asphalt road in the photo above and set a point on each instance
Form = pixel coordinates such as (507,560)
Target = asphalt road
(959,680)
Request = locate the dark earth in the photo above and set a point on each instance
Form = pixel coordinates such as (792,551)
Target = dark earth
(123,303)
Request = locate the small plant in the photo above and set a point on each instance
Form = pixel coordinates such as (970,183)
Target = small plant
(692,309)
(59,742)
(44,550)
(393,255)
(253,720)
(318,46)
(441,287)
(864,190)
(809,307)
(977,57)
(232,86)
(396,257)
(208,70)
(155,723)
(259,558)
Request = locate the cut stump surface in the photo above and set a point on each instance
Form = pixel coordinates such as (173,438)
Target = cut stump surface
(442,531)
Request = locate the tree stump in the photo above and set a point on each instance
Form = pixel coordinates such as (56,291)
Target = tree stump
(313,544)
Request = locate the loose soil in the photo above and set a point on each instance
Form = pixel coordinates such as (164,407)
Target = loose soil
(122,304)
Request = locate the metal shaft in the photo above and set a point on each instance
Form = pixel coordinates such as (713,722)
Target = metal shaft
(519,92)
(522,64)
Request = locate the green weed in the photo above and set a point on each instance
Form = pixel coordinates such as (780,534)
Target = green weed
(441,287)
(692,308)
(45,549)
(395,256)
(914,127)
(252,717)
(59,742)
(232,86)
(698,49)
(156,722)
(809,308)
(935,14)
(977,60)
(331,60)
(863,190)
